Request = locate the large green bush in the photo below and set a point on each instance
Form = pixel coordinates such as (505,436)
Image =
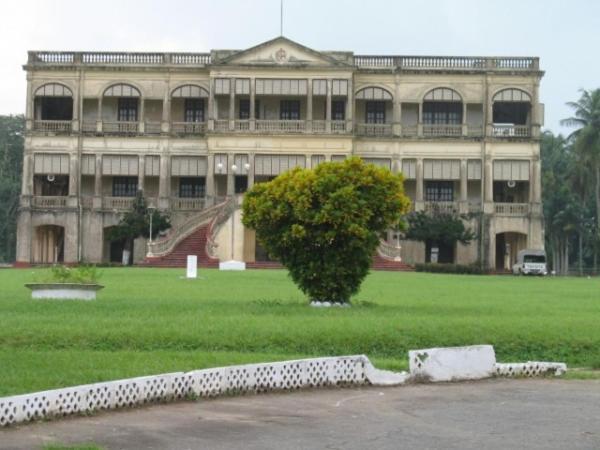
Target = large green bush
(324,224)
(450,268)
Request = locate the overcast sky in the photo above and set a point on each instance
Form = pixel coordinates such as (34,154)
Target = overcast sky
(564,34)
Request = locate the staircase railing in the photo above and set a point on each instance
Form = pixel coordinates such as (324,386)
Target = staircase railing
(389,252)
(229,207)
(165,245)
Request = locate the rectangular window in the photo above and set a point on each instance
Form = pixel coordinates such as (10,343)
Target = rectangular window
(191,187)
(375,112)
(244,109)
(194,110)
(439,191)
(241,184)
(338,110)
(124,186)
(128,109)
(289,110)
(442,113)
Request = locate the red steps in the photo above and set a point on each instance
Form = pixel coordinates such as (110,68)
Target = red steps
(194,244)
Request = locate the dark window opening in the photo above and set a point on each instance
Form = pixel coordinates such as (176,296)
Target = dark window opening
(375,112)
(442,113)
(127,110)
(511,112)
(289,110)
(509,193)
(124,186)
(51,185)
(244,109)
(338,110)
(194,110)
(439,191)
(54,108)
(191,187)
(240,184)
(444,252)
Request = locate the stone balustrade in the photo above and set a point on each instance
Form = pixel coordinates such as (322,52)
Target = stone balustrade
(511,209)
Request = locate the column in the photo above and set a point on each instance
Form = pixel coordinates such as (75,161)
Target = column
(99,116)
(252,105)
(464,120)
(166,111)
(29,106)
(73,175)
(142,118)
(251,170)
(98,177)
(396,111)
(463,180)
(396,164)
(211,105)
(230,174)
(210,180)
(165,178)
(349,107)
(27,181)
(328,107)
(537,181)
(75,126)
(419,196)
(141,172)
(420,120)
(309,105)
(231,106)
(489,181)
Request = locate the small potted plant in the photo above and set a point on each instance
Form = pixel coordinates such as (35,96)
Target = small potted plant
(68,283)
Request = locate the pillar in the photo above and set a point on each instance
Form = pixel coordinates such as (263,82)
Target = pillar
(73,175)
(141,172)
(98,177)
(230,174)
(142,118)
(251,170)
(27,181)
(166,110)
(419,196)
(463,181)
(464,120)
(231,106)
(489,181)
(99,115)
(211,105)
(328,107)
(210,180)
(420,120)
(537,181)
(29,106)
(349,107)
(252,105)
(165,179)
(309,106)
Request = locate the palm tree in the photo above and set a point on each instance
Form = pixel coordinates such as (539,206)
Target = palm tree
(586,138)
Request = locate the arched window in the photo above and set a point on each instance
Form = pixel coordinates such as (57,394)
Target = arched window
(190,91)
(512,95)
(53,101)
(442,106)
(122,90)
(511,107)
(373,93)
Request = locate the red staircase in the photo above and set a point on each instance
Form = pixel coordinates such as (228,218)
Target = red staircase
(194,244)
(380,263)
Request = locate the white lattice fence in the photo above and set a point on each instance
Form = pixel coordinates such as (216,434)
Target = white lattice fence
(252,378)
(529,369)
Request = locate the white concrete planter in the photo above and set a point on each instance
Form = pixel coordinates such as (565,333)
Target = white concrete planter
(64,291)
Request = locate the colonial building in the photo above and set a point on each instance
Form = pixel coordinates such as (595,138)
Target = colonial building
(195,130)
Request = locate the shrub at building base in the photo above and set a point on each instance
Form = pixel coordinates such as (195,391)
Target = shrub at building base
(450,268)
(324,224)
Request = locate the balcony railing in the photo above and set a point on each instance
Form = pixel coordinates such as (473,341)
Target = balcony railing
(152,128)
(87,202)
(442,207)
(53,126)
(50,201)
(187,204)
(374,129)
(510,131)
(222,125)
(188,128)
(511,209)
(118,58)
(120,127)
(478,63)
(242,125)
(442,130)
(281,126)
(118,203)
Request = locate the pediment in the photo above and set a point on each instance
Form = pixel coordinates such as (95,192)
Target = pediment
(281,51)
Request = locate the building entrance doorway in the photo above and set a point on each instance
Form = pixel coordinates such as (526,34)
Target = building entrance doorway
(508,246)
(49,244)
(439,253)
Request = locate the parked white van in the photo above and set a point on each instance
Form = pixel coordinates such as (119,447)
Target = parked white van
(531,262)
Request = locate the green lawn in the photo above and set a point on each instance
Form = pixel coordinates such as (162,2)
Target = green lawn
(149,321)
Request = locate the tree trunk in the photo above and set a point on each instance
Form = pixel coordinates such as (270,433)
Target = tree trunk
(567,255)
(580,238)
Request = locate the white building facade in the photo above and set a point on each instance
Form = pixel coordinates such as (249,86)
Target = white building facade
(195,129)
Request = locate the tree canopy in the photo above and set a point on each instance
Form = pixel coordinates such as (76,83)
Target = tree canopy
(324,224)
(438,226)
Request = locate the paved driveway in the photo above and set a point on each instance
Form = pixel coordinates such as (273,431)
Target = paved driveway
(493,414)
